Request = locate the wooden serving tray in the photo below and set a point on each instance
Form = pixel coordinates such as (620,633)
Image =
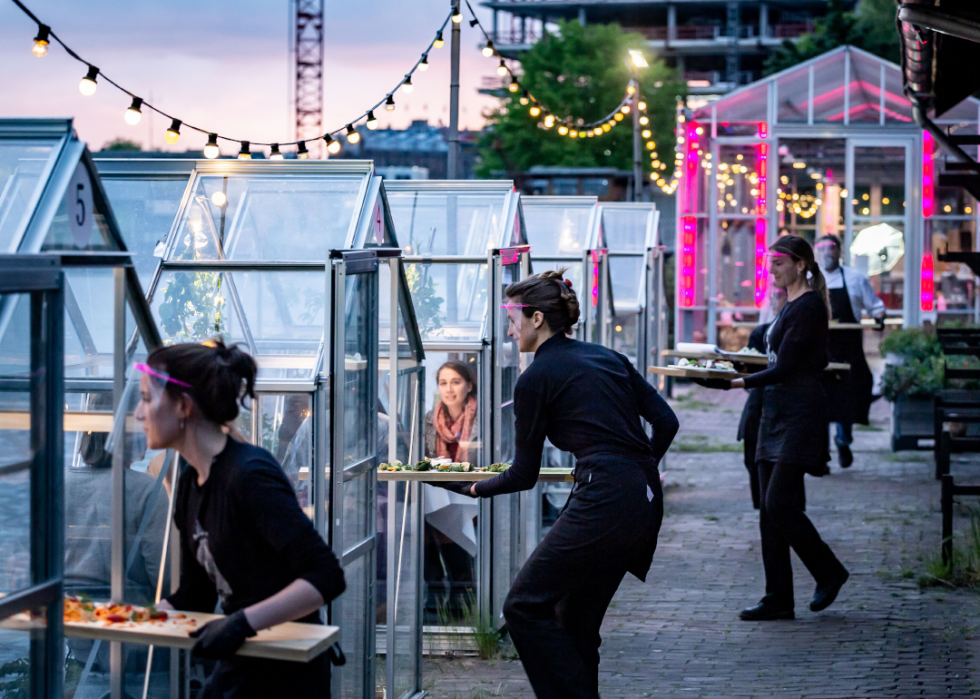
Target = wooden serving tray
(290,641)
(555,475)
(744,358)
(693,373)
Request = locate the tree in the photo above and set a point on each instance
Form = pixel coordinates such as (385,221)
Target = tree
(871,28)
(121,144)
(579,72)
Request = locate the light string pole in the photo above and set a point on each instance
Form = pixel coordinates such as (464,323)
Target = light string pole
(89,85)
(452,157)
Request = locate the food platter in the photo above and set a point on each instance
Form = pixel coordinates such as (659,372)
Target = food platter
(547,475)
(291,641)
(735,358)
(694,373)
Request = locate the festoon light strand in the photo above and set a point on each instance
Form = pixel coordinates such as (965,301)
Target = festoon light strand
(89,85)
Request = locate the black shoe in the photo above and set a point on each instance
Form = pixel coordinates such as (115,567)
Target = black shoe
(845,455)
(824,596)
(766,611)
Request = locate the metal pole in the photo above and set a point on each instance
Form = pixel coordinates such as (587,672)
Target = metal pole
(452,162)
(637,153)
(118,493)
(946,499)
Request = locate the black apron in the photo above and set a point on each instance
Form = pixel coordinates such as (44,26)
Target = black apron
(848,392)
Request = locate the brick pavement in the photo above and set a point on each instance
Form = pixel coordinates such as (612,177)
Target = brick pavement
(678,635)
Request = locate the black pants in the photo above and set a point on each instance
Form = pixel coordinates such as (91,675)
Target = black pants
(555,607)
(784,524)
(753,469)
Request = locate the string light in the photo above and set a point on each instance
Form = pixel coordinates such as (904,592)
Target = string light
(488,50)
(352,135)
(41,41)
(88,85)
(457,14)
(474,22)
(219,199)
(301,152)
(133,114)
(245,153)
(372,121)
(333,145)
(275,154)
(390,103)
(424,63)
(525,98)
(563,130)
(211,150)
(438,43)
(173,133)
(535,110)
(407,86)
(514,86)
(646,133)
(502,68)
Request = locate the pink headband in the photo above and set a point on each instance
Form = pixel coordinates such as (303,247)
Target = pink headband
(779,254)
(147,369)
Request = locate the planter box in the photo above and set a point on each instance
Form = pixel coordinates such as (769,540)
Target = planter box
(913,424)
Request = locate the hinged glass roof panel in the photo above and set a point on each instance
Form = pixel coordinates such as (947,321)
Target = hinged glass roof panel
(559,226)
(628,227)
(277,211)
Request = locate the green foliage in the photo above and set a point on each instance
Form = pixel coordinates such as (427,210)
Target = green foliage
(484,631)
(580,72)
(192,307)
(428,306)
(915,377)
(912,343)
(871,28)
(122,144)
(15,679)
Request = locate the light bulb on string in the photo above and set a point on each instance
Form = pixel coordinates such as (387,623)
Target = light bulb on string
(646,133)
(474,22)
(301,152)
(502,68)
(630,89)
(275,154)
(625,109)
(211,149)
(644,120)
(352,135)
(438,43)
(525,98)
(133,114)
(514,85)
(584,134)
(535,110)
(597,131)
(606,127)
(618,116)
(333,146)
(488,50)
(173,133)
(424,63)
(573,133)
(245,153)
(562,130)
(642,106)
(549,121)
(407,86)
(219,199)
(457,15)
(41,41)
(390,103)
(372,121)
(88,85)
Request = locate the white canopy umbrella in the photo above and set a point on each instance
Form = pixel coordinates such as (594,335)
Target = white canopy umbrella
(881,245)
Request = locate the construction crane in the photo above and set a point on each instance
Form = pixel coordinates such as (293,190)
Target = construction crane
(307,51)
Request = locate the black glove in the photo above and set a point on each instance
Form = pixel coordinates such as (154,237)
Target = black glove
(461,487)
(723,384)
(881,324)
(220,639)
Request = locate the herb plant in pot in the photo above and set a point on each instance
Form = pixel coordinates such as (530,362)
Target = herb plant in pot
(912,377)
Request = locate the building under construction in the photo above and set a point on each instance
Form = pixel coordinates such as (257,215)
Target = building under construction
(716,45)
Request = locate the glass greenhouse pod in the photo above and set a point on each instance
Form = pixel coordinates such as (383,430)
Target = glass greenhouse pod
(53,207)
(827,146)
(452,234)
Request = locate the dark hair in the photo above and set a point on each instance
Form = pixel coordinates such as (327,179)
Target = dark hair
(832,238)
(800,250)
(220,376)
(549,293)
(463,370)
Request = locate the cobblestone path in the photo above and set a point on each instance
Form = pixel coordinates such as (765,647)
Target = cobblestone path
(678,635)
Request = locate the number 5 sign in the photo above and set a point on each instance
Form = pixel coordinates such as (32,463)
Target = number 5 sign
(79,201)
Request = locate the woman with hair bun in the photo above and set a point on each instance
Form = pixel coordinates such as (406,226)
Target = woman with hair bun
(588,400)
(244,541)
(792,433)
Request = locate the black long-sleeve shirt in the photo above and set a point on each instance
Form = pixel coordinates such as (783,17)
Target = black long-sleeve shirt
(243,536)
(798,339)
(587,400)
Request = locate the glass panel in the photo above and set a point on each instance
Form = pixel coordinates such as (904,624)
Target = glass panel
(145,211)
(360,413)
(738,179)
(573,270)
(864,89)
(792,94)
(277,316)
(357,510)
(557,230)
(625,230)
(353,627)
(287,433)
(89,318)
(446,224)
(626,274)
(295,219)
(407,621)
(15,486)
(898,109)
(78,208)
(955,283)
(811,187)
(735,281)
(951,201)
(625,338)
(440,313)
(15,663)
(878,251)
(21,164)
(879,181)
(748,104)
(828,89)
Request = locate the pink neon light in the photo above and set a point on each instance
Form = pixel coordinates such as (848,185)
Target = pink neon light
(688,240)
(926,289)
(761,275)
(928,182)
(763,129)
(595,278)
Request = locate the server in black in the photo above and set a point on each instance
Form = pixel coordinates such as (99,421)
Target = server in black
(588,400)
(793,434)
(244,540)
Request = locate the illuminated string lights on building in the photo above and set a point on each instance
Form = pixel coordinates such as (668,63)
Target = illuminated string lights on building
(90,82)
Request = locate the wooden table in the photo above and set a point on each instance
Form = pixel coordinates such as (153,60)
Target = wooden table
(547,475)
(290,641)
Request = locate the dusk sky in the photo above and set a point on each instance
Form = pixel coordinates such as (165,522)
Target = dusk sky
(224,65)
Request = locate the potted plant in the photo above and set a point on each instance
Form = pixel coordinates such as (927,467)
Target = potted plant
(912,377)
